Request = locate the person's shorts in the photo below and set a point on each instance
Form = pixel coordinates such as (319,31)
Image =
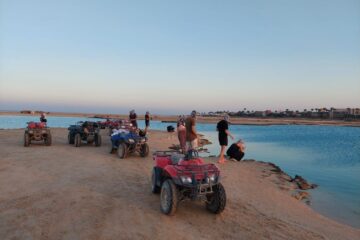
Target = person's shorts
(223,140)
(192,144)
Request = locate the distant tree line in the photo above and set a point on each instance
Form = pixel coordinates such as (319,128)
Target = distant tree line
(313,113)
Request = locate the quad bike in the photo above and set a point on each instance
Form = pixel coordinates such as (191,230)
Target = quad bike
(88,132)
(37,131)
(179,177)
(104,124)
(130,142)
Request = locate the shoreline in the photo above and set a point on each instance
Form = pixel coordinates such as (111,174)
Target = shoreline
(65,184)
(212,120)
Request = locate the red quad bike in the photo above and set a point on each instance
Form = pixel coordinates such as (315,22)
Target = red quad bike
(37,131)
(178,177)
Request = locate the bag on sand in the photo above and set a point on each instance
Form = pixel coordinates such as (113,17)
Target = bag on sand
(170,128)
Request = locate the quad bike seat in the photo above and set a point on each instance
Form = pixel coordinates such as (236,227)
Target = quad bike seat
(175,158)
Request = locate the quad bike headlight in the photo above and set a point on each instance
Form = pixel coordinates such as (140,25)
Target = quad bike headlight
(31,132)
(131,141)
(186,179)
(212,178)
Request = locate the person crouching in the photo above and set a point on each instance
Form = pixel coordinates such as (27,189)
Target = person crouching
(236,150)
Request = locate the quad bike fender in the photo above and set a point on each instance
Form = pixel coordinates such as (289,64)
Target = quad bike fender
(171,171)
(162,162)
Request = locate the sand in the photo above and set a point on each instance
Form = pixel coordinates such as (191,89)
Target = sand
(63,192)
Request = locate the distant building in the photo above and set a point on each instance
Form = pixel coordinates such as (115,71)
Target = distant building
(259,114)
(339,113)
(268,112)
(315,114)
(355,111)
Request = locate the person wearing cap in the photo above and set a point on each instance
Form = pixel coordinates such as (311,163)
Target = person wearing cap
(191,134)
(223,129)
(133,118)
(236,150)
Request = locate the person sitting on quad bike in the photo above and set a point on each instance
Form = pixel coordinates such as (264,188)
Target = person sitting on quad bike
(43,118)
(82,132)
(85,127)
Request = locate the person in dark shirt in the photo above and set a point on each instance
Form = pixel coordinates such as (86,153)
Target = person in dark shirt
(236,150)
(223,129)
(133,118)
(147,120)
(43,118)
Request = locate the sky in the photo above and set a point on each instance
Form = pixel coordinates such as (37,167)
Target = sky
(175,56)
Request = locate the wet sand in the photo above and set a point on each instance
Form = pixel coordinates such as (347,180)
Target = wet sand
(63,192)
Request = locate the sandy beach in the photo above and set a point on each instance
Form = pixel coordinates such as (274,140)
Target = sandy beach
(63,192)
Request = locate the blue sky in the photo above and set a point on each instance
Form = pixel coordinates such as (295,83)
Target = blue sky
(175,56)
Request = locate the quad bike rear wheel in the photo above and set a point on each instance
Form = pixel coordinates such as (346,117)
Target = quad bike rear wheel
(122,150)
(216,201)
(70,139)
(154,179)
(98,140)
(144,150)
(169,198)
(48,140)
(26,140)
(77,141)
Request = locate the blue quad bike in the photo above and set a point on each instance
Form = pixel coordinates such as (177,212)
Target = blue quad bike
(84,132)
(126,143)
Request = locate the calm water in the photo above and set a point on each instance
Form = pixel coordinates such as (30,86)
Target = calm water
(325,155)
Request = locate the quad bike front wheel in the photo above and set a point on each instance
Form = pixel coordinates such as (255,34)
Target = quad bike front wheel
(122,150)
(97,140)
(48,140)
(216,201)
(169,198)
(144,150)
(154,178)
(70,139)
(77,141)
(26,140)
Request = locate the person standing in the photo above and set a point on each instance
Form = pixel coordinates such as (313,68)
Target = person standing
(133,118)
(181,129)
(191,134)
(147,120)
(223,129)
